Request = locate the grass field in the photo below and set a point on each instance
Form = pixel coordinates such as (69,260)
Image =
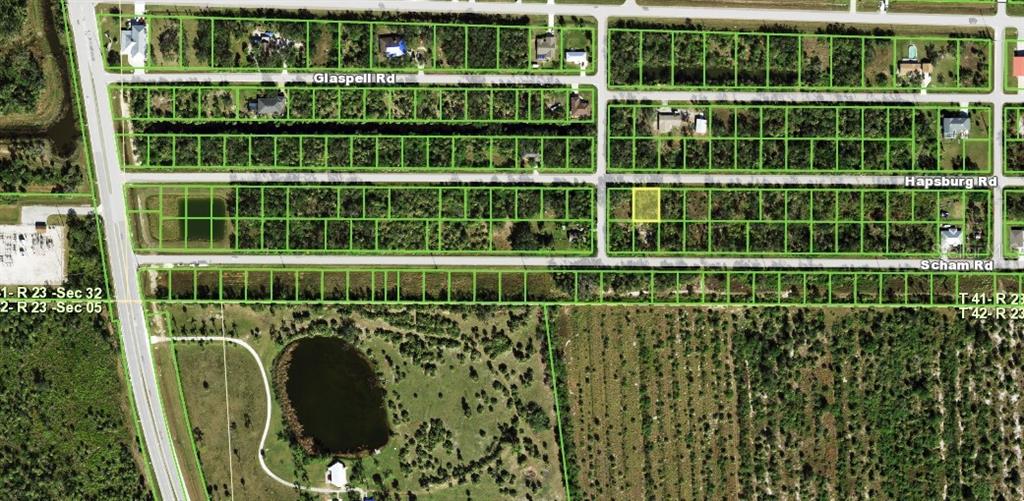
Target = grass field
(227,424)
(668,403)
(487,432)
(178,422)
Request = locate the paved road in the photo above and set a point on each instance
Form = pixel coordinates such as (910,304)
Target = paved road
(32,213)
(122,259)
(538,261)
(111,178)
(628,9)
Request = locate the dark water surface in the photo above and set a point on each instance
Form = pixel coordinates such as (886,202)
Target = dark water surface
(205,217)
(336,396)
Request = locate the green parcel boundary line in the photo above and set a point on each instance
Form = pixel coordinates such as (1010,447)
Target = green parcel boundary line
(1014,46)
(1013,138)
(1013,223)
(363,219)
(689,59)
(181,400)
(344,285)
(77,108)
(558,411)
(844,138)
(203,43)
(357,152)
(832,222)
(304,104)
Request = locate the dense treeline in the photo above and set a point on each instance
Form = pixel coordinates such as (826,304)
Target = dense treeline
(64,422)
(31,162)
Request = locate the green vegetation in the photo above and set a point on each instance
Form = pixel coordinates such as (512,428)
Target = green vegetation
(836,57)
(487,433)
(31,164)
(65,421)
(1013,140)
(469,128)
(305,104)
(20,73)
(668,403)
(474,286)
(786,222)
(20,53)
(842,138)
(408,219)
(40,144)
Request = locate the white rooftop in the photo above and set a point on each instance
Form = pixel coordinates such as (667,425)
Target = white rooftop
(577,57)
(336,475)
(952,237)
(134,43)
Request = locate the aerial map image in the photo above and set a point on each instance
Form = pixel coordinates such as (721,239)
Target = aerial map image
(487,250)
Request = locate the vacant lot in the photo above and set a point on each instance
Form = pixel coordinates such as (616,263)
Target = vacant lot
(361,219)
(694,404)
(783,222)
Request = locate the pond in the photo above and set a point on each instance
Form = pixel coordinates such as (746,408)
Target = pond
(332,398)
(204,215)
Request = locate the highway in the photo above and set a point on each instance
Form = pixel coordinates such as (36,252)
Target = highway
(123,264)
(111,179)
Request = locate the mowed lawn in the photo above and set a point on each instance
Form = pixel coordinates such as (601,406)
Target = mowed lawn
(237,416)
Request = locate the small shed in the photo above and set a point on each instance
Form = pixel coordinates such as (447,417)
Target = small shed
(337,475)
(700,125)
(392,45)
(545,47)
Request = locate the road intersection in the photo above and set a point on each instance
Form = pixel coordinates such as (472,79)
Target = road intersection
(112,179)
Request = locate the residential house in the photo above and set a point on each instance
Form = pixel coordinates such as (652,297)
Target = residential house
(577,57)
(1017,239)
(1018,63)
(337,474)
(268,105)
(531,160)
(669,119)
(578,107)
(910,67)
(956,126)
(951,238)
(545,48)
(134,42)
